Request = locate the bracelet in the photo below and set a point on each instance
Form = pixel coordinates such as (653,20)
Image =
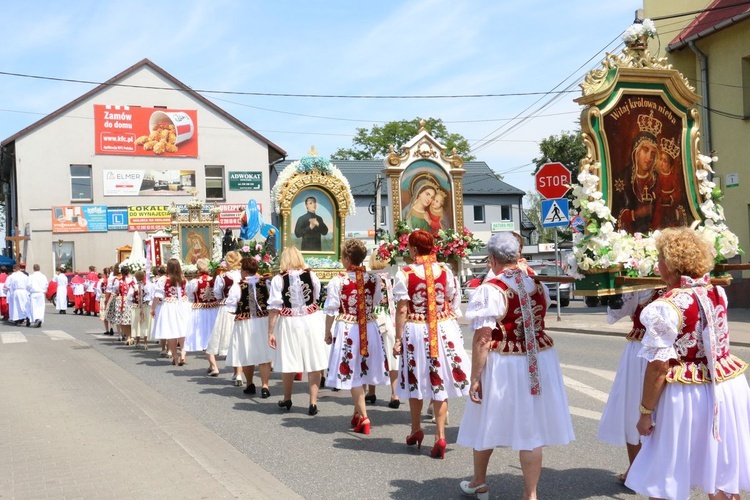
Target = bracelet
(398,341)
(644,410)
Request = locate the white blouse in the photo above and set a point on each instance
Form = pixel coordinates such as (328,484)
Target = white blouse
(333,297)
(219,282)
(296,292)
(452,289)
(630,302)
(488,303)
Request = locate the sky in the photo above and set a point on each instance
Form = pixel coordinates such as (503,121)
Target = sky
(343,48)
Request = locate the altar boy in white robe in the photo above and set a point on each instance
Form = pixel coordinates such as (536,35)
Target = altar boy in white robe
(61,297)
(37,288)
(18,296)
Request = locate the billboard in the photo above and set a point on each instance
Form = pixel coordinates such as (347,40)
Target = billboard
(149,183)
(117,218)
(140,131)
(148,217)
(79,219)
(245,181)
(231,213)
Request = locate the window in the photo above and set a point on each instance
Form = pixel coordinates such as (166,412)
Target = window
(214,182)
(80,183)
(505,213)
(383,218)
(746,86)
(478,213)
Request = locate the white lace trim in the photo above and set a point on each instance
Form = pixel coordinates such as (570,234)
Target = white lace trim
(663,323)
(657,353)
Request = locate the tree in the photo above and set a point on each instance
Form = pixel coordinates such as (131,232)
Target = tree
(375,143)
(567,148)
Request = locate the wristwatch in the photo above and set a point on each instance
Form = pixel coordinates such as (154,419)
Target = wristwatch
(644,410)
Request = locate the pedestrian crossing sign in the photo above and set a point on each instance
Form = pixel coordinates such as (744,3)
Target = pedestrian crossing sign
(555,213)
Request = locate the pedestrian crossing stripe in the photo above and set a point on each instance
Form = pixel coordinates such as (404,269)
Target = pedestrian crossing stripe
(13,337)
(58,335)
(555,213)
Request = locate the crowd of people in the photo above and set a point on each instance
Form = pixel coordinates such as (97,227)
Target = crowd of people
(679,401)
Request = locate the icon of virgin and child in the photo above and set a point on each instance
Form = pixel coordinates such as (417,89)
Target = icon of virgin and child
(427,203)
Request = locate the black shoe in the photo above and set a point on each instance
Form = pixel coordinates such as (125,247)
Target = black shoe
(370,399)
(111,331)
(394,403)
(250,389)
(18,322)
(286,404)
(265,393)
(322,381)
(28,322)
(38,323)
(312,410)
(63,312)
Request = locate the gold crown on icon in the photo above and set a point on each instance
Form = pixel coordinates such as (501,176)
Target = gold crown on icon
(670,147)
(647,123)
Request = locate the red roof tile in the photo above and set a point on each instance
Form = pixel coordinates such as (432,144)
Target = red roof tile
(718,15)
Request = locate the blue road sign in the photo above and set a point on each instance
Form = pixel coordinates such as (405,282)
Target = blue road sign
(555,213)
(576,224)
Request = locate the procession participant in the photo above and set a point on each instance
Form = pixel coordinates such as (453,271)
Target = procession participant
(18,296)
(433,360)
(89,298)
(298,340)
(139,301)
(618,423)
(696,400)
(78,285)
(518,397)
(103,297)
(248,300)
(357,357)
(160,275)
(110,311)
(204,308)
(123,315)
(221,334)
(37,289)
(385,314)
(61,295)
(170,309)
(3,297)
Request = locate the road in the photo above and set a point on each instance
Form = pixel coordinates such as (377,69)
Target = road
(318,457)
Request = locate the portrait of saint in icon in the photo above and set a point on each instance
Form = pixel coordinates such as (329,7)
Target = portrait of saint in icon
(313,221)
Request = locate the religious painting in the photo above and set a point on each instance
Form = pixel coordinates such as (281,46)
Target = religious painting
(648,189)
(195,241)
(313,221)
(426,197)
(63,252)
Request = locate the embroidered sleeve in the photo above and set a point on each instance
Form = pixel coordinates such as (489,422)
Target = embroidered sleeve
(486,305)
(629,304)
(233,297)
(663,322)
(377,297)
(401,287)
(159,289)
(190,289)
(274,293)
(333,298)
(316,286)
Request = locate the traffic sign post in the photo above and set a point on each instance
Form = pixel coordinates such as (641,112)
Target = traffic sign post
(555,213)
(553,180)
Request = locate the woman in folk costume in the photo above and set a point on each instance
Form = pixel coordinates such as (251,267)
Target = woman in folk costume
(205,307)
(385,315)
(171,319)
(696,399)
(139,300)
(3,297)
(618,423)
(61,295)
(299,338)
(111,296)
(221,334)
(248,301)
(358,356)
(103,297)
(123,315)
(433,361)
(518,398)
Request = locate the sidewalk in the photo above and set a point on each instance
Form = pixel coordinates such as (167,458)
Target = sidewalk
(74,424)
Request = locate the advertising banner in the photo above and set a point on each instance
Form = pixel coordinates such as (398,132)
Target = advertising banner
(148,217)
(245,181)
(138,131)
(149,183)
(79,219)
(231,213)
(117,218)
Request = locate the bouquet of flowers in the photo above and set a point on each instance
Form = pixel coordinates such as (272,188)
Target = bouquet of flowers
(455,245)
(395,246)
(258,251)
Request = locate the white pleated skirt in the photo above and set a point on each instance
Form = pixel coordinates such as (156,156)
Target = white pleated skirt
(300,343)
(171,320)
(620,417)
(388,334)
(249,344)
(347,368)
(141,328)
(200,326)
(681,453)
(221,334)
(509,415)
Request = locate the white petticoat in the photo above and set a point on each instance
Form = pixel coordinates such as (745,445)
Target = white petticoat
(141,328)
(300,343)
(620,417)
(347,368)
(171,320)
(447,376)
(221,334)
(249,344)
(200,326)
(388,333)
(509,415)
(682,454)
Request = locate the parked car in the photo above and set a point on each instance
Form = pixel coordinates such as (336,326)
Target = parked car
(541,269)
(471,285)
(52,288)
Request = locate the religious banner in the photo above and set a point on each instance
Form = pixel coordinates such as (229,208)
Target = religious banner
(149,217)
(79,219)
(141,131)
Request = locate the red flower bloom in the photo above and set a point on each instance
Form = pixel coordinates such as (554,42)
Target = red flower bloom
(412,362)
(436,363)
(349,341)
(459,375)
(410,347)
(412,378)
(344,368)
(435,379)
(363,365)
(349,355)
(451,345)
(456,359)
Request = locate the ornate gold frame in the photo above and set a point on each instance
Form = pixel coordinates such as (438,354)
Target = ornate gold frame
(195,218)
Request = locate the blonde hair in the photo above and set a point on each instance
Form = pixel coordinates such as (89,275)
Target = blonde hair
(375,263)
(291,258)
(233,260)
(202,265)
(686,252)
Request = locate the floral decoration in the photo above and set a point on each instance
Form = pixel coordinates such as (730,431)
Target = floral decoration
(134,264)
(323,263)
(449,244)
(636,31)
(307,165)
(258,251)
(217,247)
(600,246)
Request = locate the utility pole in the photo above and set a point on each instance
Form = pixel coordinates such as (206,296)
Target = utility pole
(378,181)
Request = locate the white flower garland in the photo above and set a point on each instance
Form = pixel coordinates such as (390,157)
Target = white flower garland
(307,164)
(636,30)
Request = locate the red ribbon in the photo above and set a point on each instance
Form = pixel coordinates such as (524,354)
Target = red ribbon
(432,328)
(359,274)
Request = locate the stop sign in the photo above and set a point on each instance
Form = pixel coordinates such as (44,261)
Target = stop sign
(553,180)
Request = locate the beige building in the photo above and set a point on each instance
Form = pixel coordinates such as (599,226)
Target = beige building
(79,181)
(712,49)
